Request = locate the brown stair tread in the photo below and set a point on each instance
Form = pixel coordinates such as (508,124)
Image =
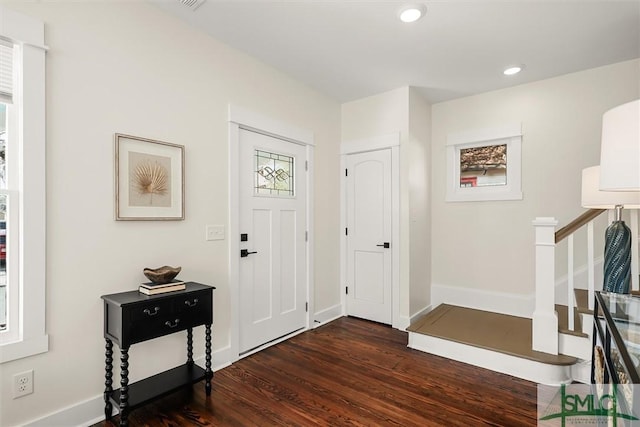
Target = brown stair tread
(563,322)
(582,298)
(491,331)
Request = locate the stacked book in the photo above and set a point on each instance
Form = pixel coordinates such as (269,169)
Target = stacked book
(151,288)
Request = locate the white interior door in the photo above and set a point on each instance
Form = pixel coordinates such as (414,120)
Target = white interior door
(369,260)
(273,290)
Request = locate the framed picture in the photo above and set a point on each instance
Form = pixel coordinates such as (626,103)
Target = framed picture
(149,179)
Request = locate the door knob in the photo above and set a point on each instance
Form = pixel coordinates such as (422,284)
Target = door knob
(385,245)
(245,253)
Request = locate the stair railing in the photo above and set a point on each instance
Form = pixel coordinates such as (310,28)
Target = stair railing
(545,317)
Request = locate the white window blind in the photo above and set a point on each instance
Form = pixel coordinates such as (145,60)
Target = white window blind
(6,71)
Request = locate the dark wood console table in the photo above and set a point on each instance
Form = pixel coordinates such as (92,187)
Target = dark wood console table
(132,317)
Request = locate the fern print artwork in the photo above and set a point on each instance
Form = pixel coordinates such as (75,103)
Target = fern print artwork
(150,180)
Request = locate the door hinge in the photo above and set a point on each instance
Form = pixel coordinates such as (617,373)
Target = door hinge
(306,236)
(346,231)
(346,172)
(306,165)
(347,290)
(306,307)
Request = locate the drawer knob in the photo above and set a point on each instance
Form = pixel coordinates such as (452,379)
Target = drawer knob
(172,324)
(149,313)
(192,303)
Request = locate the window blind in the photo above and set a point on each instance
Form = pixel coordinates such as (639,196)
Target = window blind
(6,71)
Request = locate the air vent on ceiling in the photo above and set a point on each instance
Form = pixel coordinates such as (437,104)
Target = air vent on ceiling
(192,4)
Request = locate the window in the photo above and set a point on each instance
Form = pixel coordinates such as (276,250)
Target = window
(274,174)
(22,186)
(484,165)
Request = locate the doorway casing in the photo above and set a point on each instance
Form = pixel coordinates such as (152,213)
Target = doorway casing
(241,118)
(390,141)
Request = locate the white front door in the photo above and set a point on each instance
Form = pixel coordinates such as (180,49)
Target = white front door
(369,266)
(273,265)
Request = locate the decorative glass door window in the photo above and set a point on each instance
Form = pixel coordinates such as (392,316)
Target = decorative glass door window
(274,174)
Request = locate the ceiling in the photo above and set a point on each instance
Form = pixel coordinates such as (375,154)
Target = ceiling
(351,49)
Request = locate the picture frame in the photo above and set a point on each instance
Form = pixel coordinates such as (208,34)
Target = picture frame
(149,179)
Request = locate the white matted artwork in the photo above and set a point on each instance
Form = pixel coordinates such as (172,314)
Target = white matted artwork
(149,179)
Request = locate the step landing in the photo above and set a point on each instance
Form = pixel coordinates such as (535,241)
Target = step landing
(490,340)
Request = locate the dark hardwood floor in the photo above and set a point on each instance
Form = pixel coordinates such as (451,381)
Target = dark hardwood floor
(348,372)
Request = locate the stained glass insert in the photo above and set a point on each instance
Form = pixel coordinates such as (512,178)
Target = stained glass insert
(274,174)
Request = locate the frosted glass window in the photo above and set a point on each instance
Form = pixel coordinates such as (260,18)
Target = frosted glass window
(273,174)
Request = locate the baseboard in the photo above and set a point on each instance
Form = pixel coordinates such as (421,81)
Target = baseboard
(327,315)
(498,302)
(81,414)
(91,411)
(402,323)
(420,313)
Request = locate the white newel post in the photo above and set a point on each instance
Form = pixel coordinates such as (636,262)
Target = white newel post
(545,318)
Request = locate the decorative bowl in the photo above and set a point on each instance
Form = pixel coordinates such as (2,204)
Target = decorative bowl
(161,275)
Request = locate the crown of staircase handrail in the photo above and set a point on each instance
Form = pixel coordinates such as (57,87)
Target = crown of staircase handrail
(574,225)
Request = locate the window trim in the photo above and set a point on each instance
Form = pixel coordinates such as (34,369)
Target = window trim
(28,34)
(511,135)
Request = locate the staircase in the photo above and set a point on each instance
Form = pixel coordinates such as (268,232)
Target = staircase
(553,346)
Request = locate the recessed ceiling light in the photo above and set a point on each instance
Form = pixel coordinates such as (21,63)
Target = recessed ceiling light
(412,13)
(513,70)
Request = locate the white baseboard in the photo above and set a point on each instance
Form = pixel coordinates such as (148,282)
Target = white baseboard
(498,302)
(327,315)
(81,414)
(91,411)
(402,323)
(420,313)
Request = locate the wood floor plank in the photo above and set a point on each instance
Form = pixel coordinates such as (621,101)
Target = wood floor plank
(350,372)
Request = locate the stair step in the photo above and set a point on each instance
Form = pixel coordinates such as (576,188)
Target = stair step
(491,331)
(582,299)
(563,322)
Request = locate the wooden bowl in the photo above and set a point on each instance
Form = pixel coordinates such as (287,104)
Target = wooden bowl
(164,274)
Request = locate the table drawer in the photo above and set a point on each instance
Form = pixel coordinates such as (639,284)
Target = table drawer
(147,329)
(151,309)
(194,302)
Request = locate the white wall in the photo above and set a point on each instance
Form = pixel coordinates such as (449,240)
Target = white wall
(419,145)
(128,67)
(402,111)
(488,246)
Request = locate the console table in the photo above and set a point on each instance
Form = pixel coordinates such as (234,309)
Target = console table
(133,317)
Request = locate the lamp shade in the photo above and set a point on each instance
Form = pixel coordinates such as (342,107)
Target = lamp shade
(620,148)
(594,198)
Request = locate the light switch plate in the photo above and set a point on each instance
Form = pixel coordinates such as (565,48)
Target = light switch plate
(215,232)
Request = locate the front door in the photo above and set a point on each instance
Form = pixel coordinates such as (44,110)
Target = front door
(273,265)
(369,277)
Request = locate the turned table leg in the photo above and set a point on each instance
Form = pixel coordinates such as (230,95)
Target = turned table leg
(108,378)
(124,387)
(190,346)
(208,373)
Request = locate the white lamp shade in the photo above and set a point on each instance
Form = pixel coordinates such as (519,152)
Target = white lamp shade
(620,148)
(594,198)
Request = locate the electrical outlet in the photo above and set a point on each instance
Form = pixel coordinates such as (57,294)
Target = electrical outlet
(23,384)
